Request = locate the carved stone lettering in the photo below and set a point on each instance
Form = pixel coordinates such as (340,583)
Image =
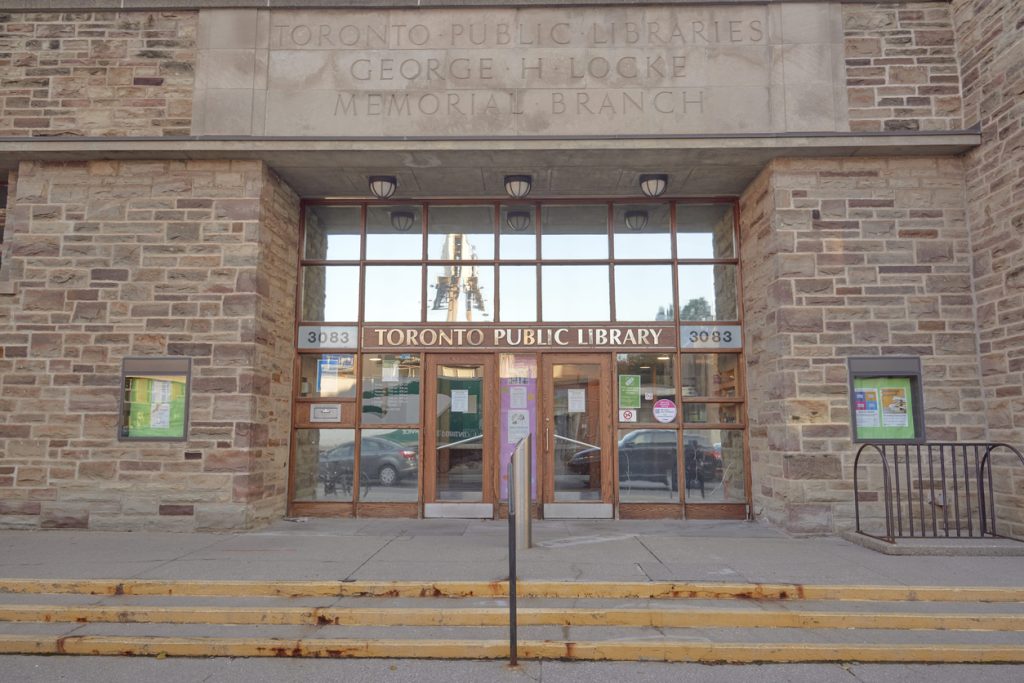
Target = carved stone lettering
(527,71)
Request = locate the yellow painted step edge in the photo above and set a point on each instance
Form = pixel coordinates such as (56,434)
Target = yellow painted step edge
(494,649)
(531,616)
(525,589)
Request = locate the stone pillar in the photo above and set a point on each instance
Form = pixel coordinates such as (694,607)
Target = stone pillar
(991,53)
(135,258)
(840,258)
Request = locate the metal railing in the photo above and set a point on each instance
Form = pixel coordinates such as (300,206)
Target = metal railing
(942,490)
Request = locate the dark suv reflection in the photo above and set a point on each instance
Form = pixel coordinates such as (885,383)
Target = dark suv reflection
(381,461)
(644,455)
(650,455)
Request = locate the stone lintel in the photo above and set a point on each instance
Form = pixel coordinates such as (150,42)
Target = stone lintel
(697,165)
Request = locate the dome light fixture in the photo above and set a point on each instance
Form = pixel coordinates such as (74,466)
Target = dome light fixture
(383,186)
(402,221)
(518,221)
(518,186)
(636,221)
(653,184)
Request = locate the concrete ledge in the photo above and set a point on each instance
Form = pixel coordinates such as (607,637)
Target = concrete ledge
(325,167)
(949,547)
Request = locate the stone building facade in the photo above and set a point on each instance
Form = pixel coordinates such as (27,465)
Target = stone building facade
(158,161)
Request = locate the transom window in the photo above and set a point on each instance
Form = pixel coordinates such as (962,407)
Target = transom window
(548,261)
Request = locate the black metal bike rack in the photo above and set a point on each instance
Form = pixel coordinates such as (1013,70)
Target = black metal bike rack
(941,490)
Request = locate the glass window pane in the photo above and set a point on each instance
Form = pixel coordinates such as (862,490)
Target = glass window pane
(460,233)
(704,231)
(722,413)
(708,292)
(648,466)
(646,379)
(575,293)
(574,232)
(330,293)
(324,464)
(518,294)
(643,293)
(642,231)
(389,465)
(714,375)
(518,232)
(332,232)
(460,293)
(394,233)
(391,389)
(393,294)
(714,468)
(329,375)
(460,426)
(578,427)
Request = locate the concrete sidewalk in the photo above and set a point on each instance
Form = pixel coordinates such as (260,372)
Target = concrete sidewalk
(452,550)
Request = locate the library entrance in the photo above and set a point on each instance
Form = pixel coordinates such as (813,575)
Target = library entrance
(475,420)
(434,337)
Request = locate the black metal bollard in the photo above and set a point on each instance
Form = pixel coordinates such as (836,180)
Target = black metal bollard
(512,636)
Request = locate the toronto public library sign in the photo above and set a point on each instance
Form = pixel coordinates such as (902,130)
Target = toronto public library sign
(551,337)
(519,72)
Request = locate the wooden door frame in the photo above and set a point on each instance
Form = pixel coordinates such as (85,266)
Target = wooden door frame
(545,454)
(490,422)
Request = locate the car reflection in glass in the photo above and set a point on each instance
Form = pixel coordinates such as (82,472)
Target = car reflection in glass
(382,462)
(649,455)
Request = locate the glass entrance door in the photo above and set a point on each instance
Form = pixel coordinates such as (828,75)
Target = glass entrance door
(459,430)
(578,448)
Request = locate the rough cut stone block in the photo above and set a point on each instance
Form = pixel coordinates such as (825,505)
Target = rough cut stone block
(792,319)
(812,467)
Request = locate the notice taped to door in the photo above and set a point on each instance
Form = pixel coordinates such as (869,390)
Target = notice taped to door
(577,400)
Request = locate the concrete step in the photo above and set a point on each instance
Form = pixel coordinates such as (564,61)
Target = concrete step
(497,616)
(662,649)
(468,620)
(526,589)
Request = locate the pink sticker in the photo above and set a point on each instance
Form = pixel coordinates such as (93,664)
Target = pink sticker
(664,410)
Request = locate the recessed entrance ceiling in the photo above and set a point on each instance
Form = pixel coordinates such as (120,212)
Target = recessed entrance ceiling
(585,167)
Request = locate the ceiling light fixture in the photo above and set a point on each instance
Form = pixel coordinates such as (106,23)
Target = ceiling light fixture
(383,186)
(518,186)
(653,184)
(402,221)
(518,221)
(636,221)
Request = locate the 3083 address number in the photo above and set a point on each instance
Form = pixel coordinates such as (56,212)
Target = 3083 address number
(705,336)
(711,336)
(327,337)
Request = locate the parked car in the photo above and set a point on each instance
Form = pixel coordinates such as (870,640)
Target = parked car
(382,461)
(649,455)
(644,455)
